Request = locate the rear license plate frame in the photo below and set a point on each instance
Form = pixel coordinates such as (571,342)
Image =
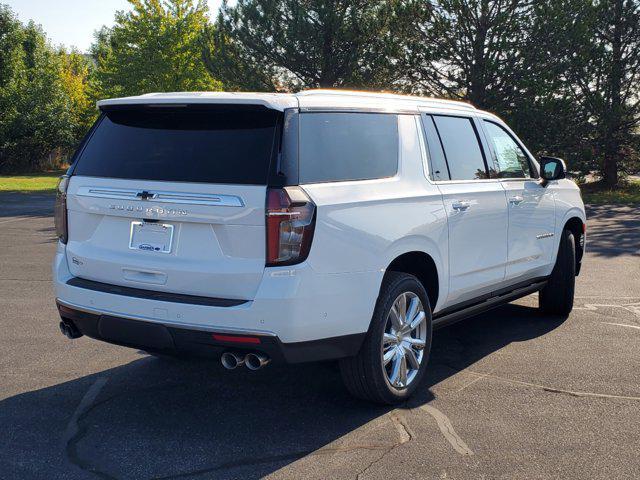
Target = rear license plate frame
(164,232)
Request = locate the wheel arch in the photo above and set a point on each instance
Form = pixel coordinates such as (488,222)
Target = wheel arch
(421,265)
(577,226)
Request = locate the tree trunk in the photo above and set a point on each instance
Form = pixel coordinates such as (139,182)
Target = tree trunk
(478,76)
(610,164)
(327,77)
(614,116)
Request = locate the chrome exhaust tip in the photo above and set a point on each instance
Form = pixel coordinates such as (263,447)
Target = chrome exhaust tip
(231,360)
(69,330)
(255,361)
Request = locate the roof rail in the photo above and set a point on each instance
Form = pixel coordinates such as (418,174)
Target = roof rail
(394,96)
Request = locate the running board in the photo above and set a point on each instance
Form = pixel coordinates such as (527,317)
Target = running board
(488,304)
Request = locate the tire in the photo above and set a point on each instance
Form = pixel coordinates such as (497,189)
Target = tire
(365,375)
(556,298)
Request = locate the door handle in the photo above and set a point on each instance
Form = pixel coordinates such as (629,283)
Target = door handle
(460,206)
(517,200)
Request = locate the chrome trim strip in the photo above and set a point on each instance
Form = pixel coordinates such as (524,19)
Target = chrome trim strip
(356,109)
(190,326)
(545,235)
(107,193)
(430,106)
(163,197)
(485,180)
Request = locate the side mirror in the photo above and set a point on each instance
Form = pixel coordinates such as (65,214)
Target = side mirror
(552,169)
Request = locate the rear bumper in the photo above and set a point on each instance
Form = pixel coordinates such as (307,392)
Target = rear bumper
(306,315)
(160,338)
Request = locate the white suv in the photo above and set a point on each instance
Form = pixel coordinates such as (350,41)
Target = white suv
(316,226)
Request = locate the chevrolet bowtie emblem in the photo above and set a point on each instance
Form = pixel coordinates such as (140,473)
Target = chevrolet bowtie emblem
(144,195)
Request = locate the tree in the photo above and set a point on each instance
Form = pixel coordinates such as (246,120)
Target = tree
(592,48)
(607,78)
(495,54)
(544,108)
(35,116)
(76,70)
(468,49)
(293,44)
(564,73)
(155,47)
(237,67)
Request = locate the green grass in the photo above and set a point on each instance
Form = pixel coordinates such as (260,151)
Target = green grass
(32,183)
(597,194)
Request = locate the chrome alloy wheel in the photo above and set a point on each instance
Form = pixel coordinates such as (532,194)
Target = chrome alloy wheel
(404,340)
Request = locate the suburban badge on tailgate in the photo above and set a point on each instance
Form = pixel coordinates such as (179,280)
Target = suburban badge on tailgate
(176,212)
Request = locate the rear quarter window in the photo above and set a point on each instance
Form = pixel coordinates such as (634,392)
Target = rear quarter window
(347,146)
(208,145)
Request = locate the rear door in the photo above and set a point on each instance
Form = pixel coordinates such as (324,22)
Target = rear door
(172,199)
(476,207)
(531,206)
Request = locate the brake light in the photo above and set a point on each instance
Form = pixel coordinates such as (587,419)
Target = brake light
(60,211)
(290,225)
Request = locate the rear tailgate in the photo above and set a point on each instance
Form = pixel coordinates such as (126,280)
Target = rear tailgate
(173,200)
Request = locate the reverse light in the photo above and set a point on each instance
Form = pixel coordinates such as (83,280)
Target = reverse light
(60,210)
(290,224)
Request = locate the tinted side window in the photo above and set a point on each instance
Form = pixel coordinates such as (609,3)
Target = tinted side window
(437,160)
(461,147)
(347,146)
(510,160)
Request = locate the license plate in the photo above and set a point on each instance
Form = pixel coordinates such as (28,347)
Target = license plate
(151,237)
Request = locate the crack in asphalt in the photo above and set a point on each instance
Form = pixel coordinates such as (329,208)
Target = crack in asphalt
(245,462)
(557,390)
(446,427)
(406,435)
(396,418)
(633,308)
(622,325)
(74,433)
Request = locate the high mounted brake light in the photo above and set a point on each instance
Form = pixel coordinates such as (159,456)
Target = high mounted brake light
(60,210)
(290,219)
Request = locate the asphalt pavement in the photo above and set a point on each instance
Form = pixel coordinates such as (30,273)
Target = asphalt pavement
(510,394)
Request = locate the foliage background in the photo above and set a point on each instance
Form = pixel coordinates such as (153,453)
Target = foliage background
(564,73)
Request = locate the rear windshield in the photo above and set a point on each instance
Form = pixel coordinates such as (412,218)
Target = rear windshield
(209,145)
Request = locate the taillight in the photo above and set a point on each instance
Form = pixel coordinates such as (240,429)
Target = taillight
(62,230)
(290,224)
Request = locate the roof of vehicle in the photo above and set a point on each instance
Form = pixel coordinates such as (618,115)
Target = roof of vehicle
(308,99)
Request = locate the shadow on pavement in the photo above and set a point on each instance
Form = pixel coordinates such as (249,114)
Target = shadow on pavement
(176,419)
(26,204)
(613,230)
